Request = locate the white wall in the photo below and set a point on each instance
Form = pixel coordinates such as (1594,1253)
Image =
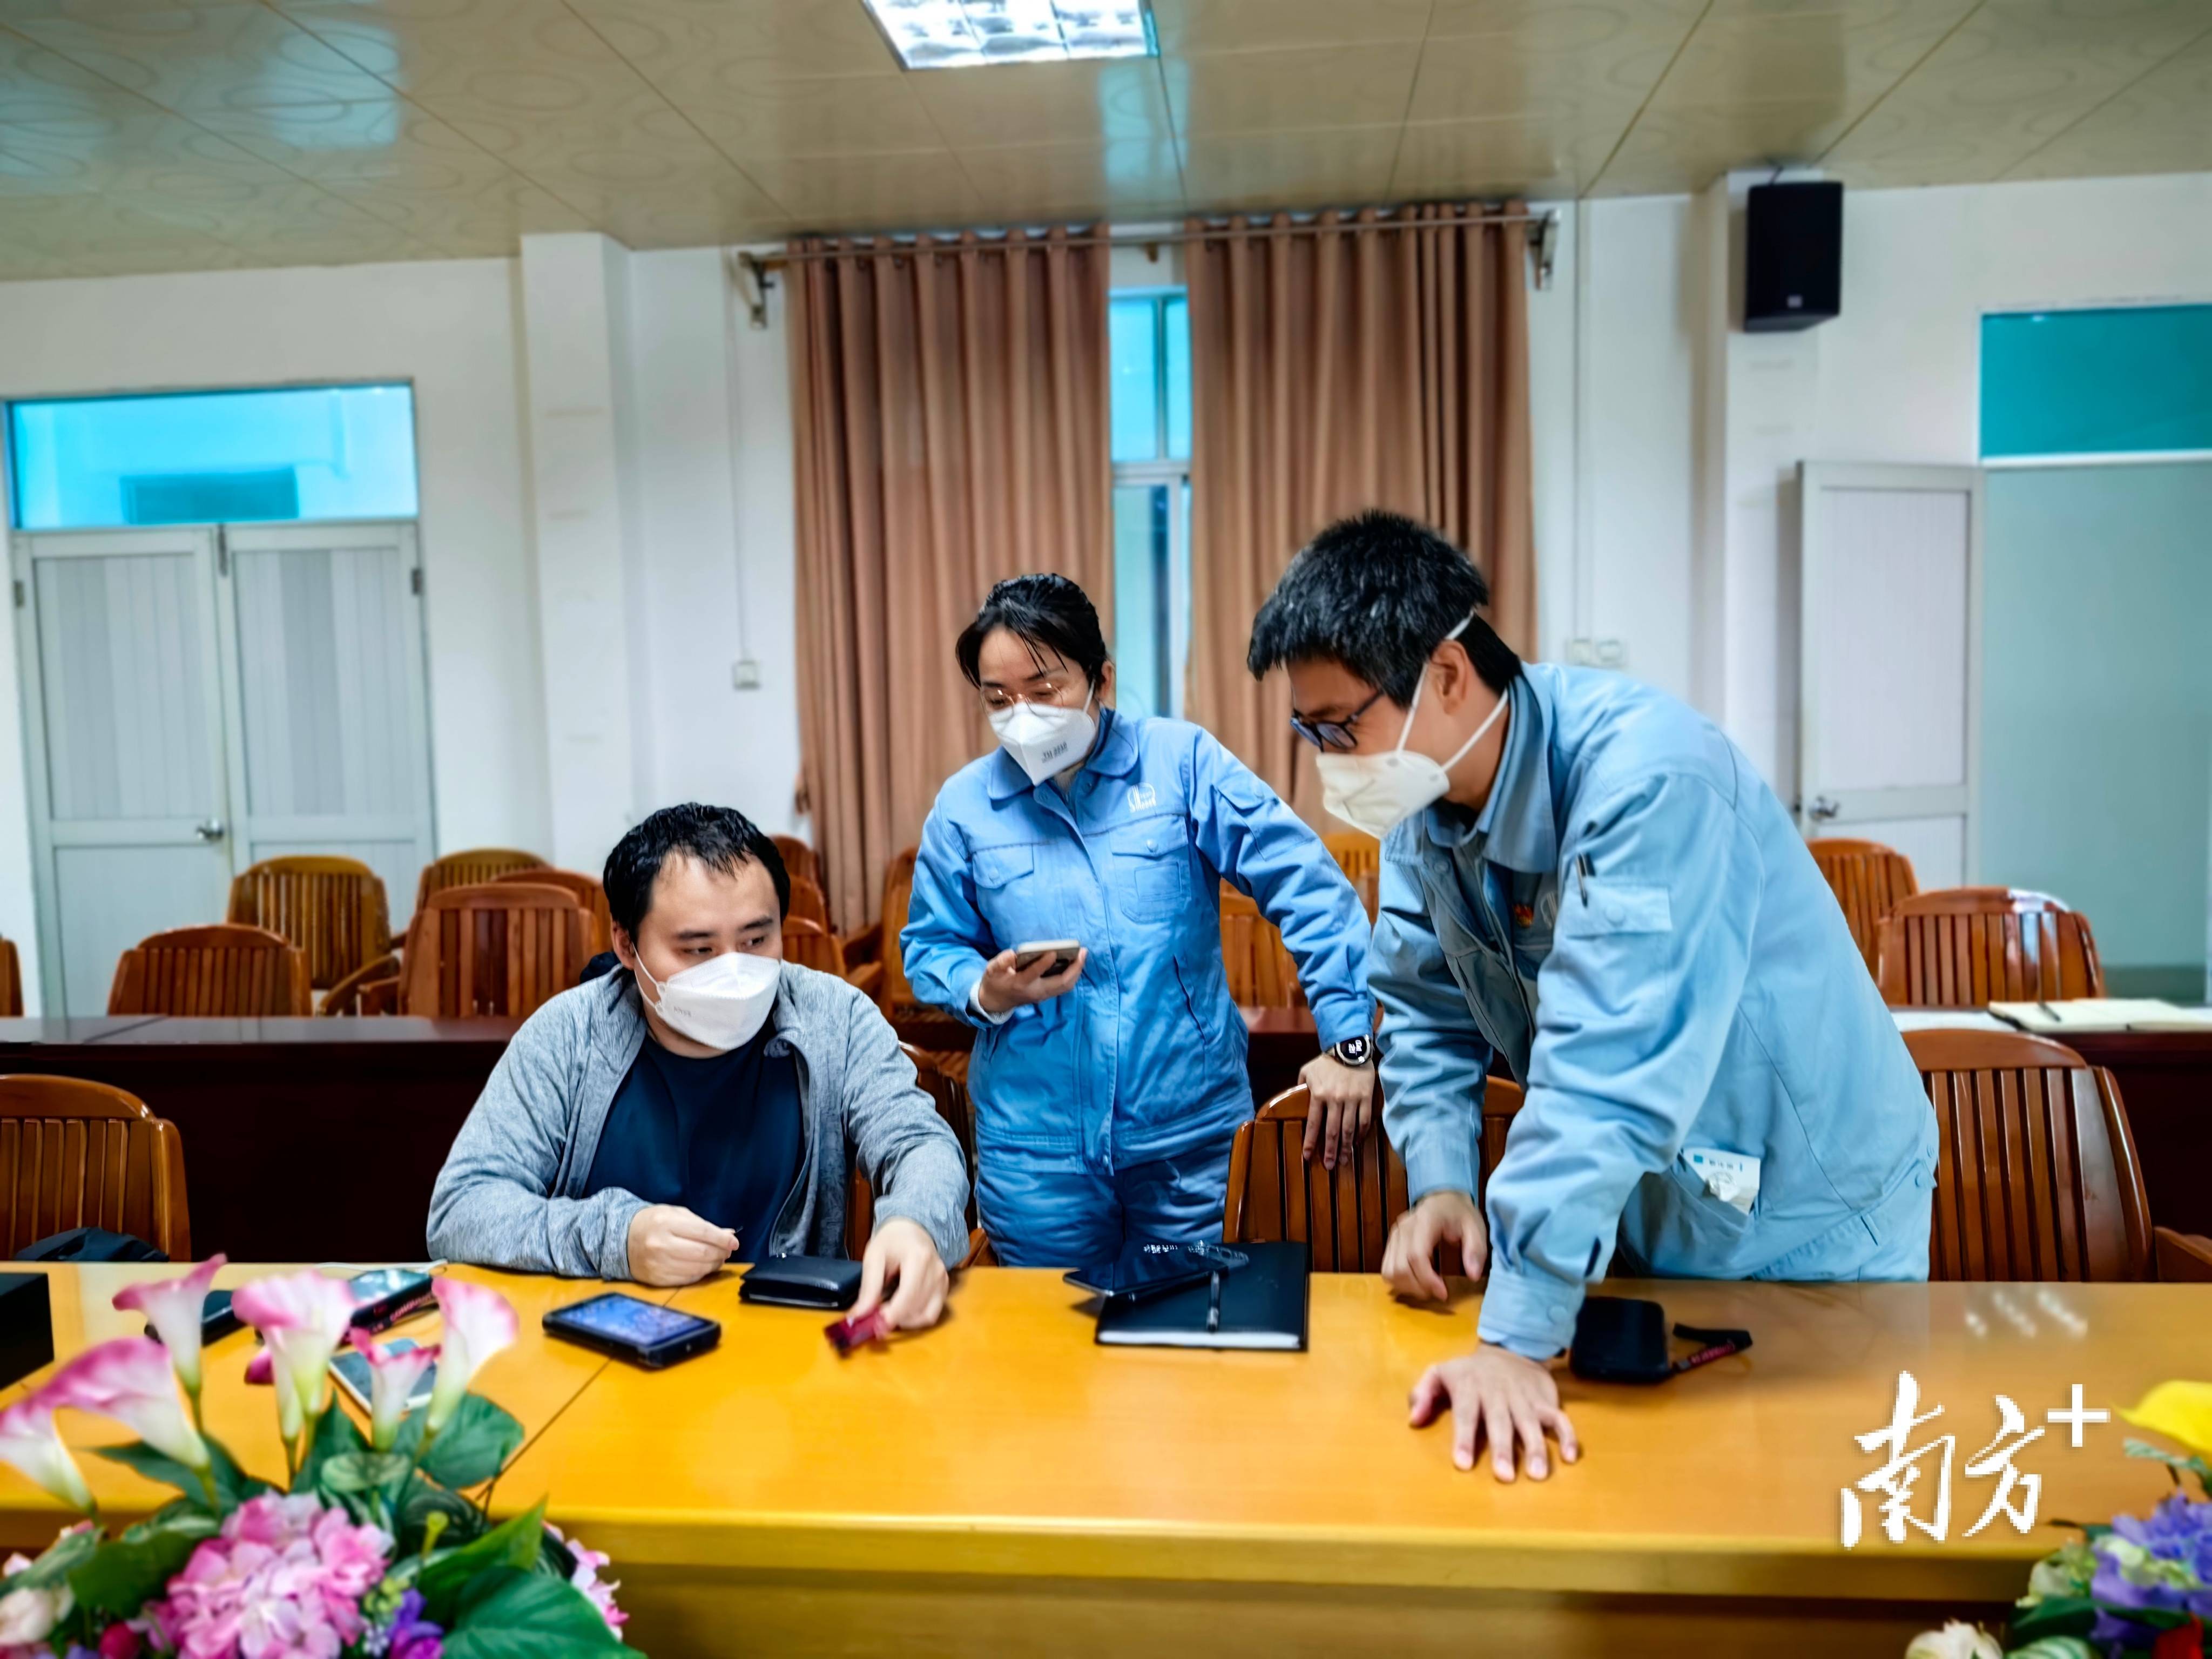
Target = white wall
(447,326)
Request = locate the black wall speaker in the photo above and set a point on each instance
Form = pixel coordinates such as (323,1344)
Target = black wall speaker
(1793,255)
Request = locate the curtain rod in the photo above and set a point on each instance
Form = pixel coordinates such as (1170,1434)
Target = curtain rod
(1542,245)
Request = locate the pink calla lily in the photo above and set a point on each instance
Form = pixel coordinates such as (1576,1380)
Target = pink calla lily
(303,1317)
(479,1324)
(261,1369)
(30,1443)
(131,1381)
(174,1307)
(392,1373)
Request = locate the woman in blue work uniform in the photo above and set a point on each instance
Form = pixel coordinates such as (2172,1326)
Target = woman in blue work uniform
(1108,1091)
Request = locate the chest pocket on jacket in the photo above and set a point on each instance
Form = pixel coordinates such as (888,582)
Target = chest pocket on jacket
(1004,889)
(1613,908)
(1150,870)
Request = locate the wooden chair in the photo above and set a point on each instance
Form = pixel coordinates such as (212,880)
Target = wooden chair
(807,903)
(77,1154)
(950,1099)
(798,860)
(1345,1213)
(1867,879)
(588,893)
(499,948)
(11,980)
(2036,1174)
(1359,855)
(1262,972)
(872,954)
(332,908)
(1962,947)
(810,945)
(217,972)
(470,869)
(373,988)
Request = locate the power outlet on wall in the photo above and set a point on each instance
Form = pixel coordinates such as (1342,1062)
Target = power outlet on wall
(1598,653)
(746,674)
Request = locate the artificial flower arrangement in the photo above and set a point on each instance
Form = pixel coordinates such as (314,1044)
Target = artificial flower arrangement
(2137,1587)
(369,1548)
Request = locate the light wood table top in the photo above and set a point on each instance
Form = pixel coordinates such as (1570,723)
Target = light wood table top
(535,1380)
(1006,1443)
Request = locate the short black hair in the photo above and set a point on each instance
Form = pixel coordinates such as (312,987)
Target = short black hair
(1046,612)
(1378,592)
(719,838)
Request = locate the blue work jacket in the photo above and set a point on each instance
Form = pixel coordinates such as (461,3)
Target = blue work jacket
(1144,1057)
(1633,923)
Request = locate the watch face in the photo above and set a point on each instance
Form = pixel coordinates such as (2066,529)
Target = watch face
(1355,1051)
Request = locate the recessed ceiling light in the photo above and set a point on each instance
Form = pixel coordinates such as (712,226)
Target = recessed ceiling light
(962,34)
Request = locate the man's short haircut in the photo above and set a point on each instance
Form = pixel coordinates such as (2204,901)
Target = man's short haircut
(1377,593)
(719,838)
(1046,612)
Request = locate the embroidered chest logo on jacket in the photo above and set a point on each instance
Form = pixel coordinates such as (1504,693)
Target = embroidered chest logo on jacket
(1141,796)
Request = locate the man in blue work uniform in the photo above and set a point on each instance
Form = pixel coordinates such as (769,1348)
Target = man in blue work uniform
(1586,877)
(1107,1090)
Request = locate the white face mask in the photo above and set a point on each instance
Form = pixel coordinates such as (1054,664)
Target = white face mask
(1043,737)
(722,1003)
(1374,793)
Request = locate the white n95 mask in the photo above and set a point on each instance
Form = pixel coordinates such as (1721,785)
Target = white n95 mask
(1374,793)
(1043,737)
(721,1003)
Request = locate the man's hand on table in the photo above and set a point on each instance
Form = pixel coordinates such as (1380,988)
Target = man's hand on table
(1440,1218)
(670,1246)
(1496,1395)
(902,1255)
(1339,1105)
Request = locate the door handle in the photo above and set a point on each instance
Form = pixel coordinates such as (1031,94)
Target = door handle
(1820,808)
(213,829)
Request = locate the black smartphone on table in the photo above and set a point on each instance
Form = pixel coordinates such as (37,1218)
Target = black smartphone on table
(217,1321)
(644,1332)
(1149,1270)
(385,1296)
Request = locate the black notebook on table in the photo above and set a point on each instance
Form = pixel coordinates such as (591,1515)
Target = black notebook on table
(1263,1305)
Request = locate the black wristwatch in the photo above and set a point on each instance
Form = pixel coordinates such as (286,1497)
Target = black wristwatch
(1353,1051)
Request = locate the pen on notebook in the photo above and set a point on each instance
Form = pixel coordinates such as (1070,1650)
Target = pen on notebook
(1213,1303)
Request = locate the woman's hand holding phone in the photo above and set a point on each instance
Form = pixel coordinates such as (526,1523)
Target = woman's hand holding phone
(1005,986)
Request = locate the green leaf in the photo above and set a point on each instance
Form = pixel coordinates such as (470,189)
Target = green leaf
(63,1557)
(2054,1647)
(125,1573)
(362,1471)
(2055,1615)
(421,1500)
(472,1449)
(335,1436)
(446,1576)
(507,1613)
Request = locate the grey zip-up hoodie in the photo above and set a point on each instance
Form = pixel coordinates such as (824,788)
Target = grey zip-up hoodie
(512,1193)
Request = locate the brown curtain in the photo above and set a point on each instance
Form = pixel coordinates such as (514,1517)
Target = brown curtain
(950,417)
(1381,359)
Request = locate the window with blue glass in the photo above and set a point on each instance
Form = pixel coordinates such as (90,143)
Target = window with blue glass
(1149,353)
(289,454)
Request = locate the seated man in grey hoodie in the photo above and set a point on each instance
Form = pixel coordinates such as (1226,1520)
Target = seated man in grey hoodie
(705,1100)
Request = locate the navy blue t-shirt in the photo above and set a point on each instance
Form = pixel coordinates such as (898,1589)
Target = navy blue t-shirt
(719,1136)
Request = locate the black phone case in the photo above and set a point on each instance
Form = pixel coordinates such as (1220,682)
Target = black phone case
(823,1283)
(659,1357)
(383,1313)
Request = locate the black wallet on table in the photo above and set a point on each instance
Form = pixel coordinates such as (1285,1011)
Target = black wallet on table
(802,1281)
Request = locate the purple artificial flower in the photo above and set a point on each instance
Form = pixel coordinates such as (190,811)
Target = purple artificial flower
(2160,1564)
(410,1635)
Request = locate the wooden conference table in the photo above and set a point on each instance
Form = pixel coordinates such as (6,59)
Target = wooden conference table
(1002,1484)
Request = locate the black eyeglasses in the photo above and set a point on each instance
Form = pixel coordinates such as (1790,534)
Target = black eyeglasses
(1333,735)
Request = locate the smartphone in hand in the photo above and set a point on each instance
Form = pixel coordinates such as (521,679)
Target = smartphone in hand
(1063,952)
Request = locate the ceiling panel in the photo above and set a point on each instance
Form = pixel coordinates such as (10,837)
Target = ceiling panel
(222,132)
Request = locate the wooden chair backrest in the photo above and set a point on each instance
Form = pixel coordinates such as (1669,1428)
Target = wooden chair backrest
(1961,947)
(374,988)
(810,945)
(798,859)
(807,903)
(471,868)
(77,1154)
(933,1075)
(1867,878)
(1344,1213)
(332,908)
(222,971)
(600,932)
(1262,972)
(895,994)
(501,948)
(2036,1177)
(11,980)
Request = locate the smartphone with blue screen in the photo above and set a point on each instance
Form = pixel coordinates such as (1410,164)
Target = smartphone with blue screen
(643,1333)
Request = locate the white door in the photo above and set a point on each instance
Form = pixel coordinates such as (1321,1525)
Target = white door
(322,642)
(123,728)
(1889,708)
